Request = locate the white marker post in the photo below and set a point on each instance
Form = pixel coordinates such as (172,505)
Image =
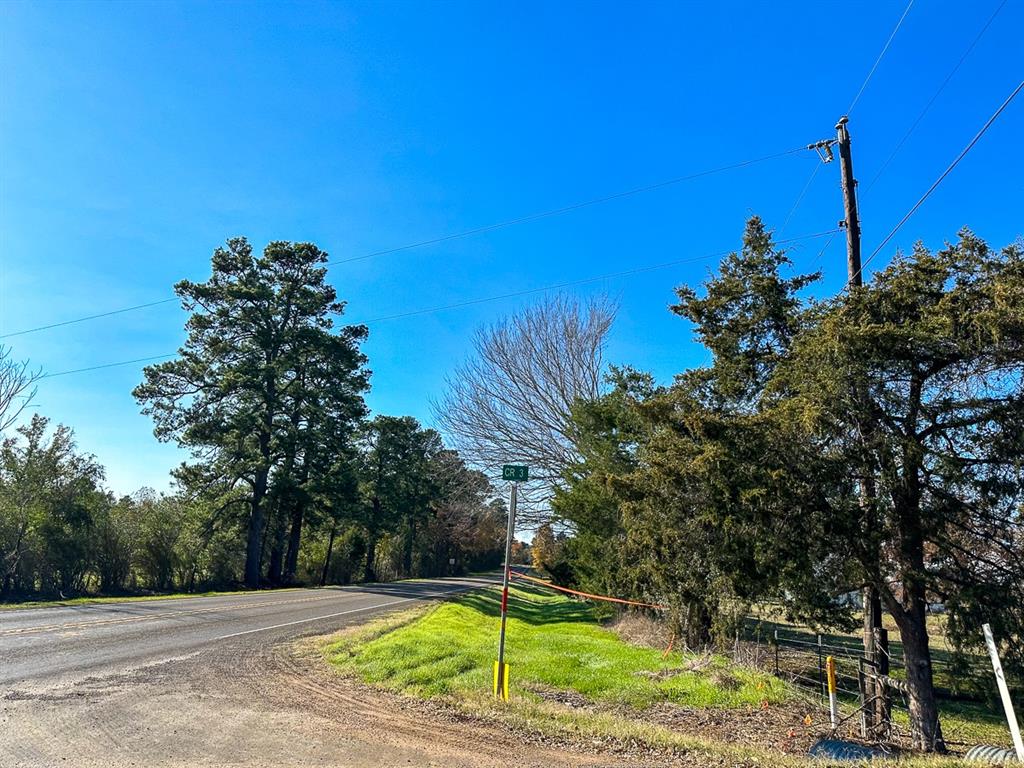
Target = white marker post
(1004,692)
(513,473)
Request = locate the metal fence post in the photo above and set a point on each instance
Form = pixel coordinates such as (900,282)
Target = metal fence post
(833,703)
(883,700)
(862,687)
(776,653)
(821,669)
(1004,692)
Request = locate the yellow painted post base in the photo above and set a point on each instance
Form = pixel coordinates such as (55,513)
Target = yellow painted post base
(501,681)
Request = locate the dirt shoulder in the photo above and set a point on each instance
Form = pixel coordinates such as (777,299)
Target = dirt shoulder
(428,664)
(715,737)
(440,735)
(250,704)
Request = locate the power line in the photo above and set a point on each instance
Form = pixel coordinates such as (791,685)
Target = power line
(106,365)
(462,234)
(931,101)
(582,281)
(556,286)
(88,317)
(800,197)
(470,302)
(880,57)
(945,173)
(816,259)
(569,208)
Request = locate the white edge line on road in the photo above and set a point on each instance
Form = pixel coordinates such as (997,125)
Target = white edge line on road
(343,613)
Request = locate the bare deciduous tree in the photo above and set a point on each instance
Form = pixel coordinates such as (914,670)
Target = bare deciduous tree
(17,387)
(511,402)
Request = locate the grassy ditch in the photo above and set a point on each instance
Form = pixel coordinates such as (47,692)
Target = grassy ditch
(571,678)
(552,644)
(574,679)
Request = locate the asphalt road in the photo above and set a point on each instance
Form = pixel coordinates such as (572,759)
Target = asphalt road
(61,645)
(217,681)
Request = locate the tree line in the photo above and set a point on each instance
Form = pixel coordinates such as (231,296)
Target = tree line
(870,440)
(289,480)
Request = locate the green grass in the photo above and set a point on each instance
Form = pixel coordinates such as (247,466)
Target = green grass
(553,643)
(966,723)
(557,650)
(90,600)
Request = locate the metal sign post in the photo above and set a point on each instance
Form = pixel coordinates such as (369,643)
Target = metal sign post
(515,474)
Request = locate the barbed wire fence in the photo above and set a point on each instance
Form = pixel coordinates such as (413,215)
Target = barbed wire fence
(865,688)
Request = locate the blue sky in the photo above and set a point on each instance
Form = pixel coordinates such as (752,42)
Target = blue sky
(136,137)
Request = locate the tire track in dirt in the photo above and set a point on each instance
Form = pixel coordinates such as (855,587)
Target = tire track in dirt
(304,681)
(259,700)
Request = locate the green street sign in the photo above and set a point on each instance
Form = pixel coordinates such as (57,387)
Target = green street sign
(515,472)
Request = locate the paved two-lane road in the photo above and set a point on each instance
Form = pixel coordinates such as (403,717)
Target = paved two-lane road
(44,647)
(224,681)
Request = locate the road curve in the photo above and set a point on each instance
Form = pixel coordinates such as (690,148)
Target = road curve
(220,681)
(42,647)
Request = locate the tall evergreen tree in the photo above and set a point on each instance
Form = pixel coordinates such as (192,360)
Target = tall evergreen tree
(610,430)
(747,476)
(936,341)
(253,327)
(695,504)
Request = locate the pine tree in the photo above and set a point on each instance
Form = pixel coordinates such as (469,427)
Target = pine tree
(232,394)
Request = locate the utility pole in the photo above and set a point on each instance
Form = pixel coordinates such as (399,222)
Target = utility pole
(852,223)
(876,641)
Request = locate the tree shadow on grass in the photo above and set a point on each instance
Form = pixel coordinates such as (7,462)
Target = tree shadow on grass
(527,610)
